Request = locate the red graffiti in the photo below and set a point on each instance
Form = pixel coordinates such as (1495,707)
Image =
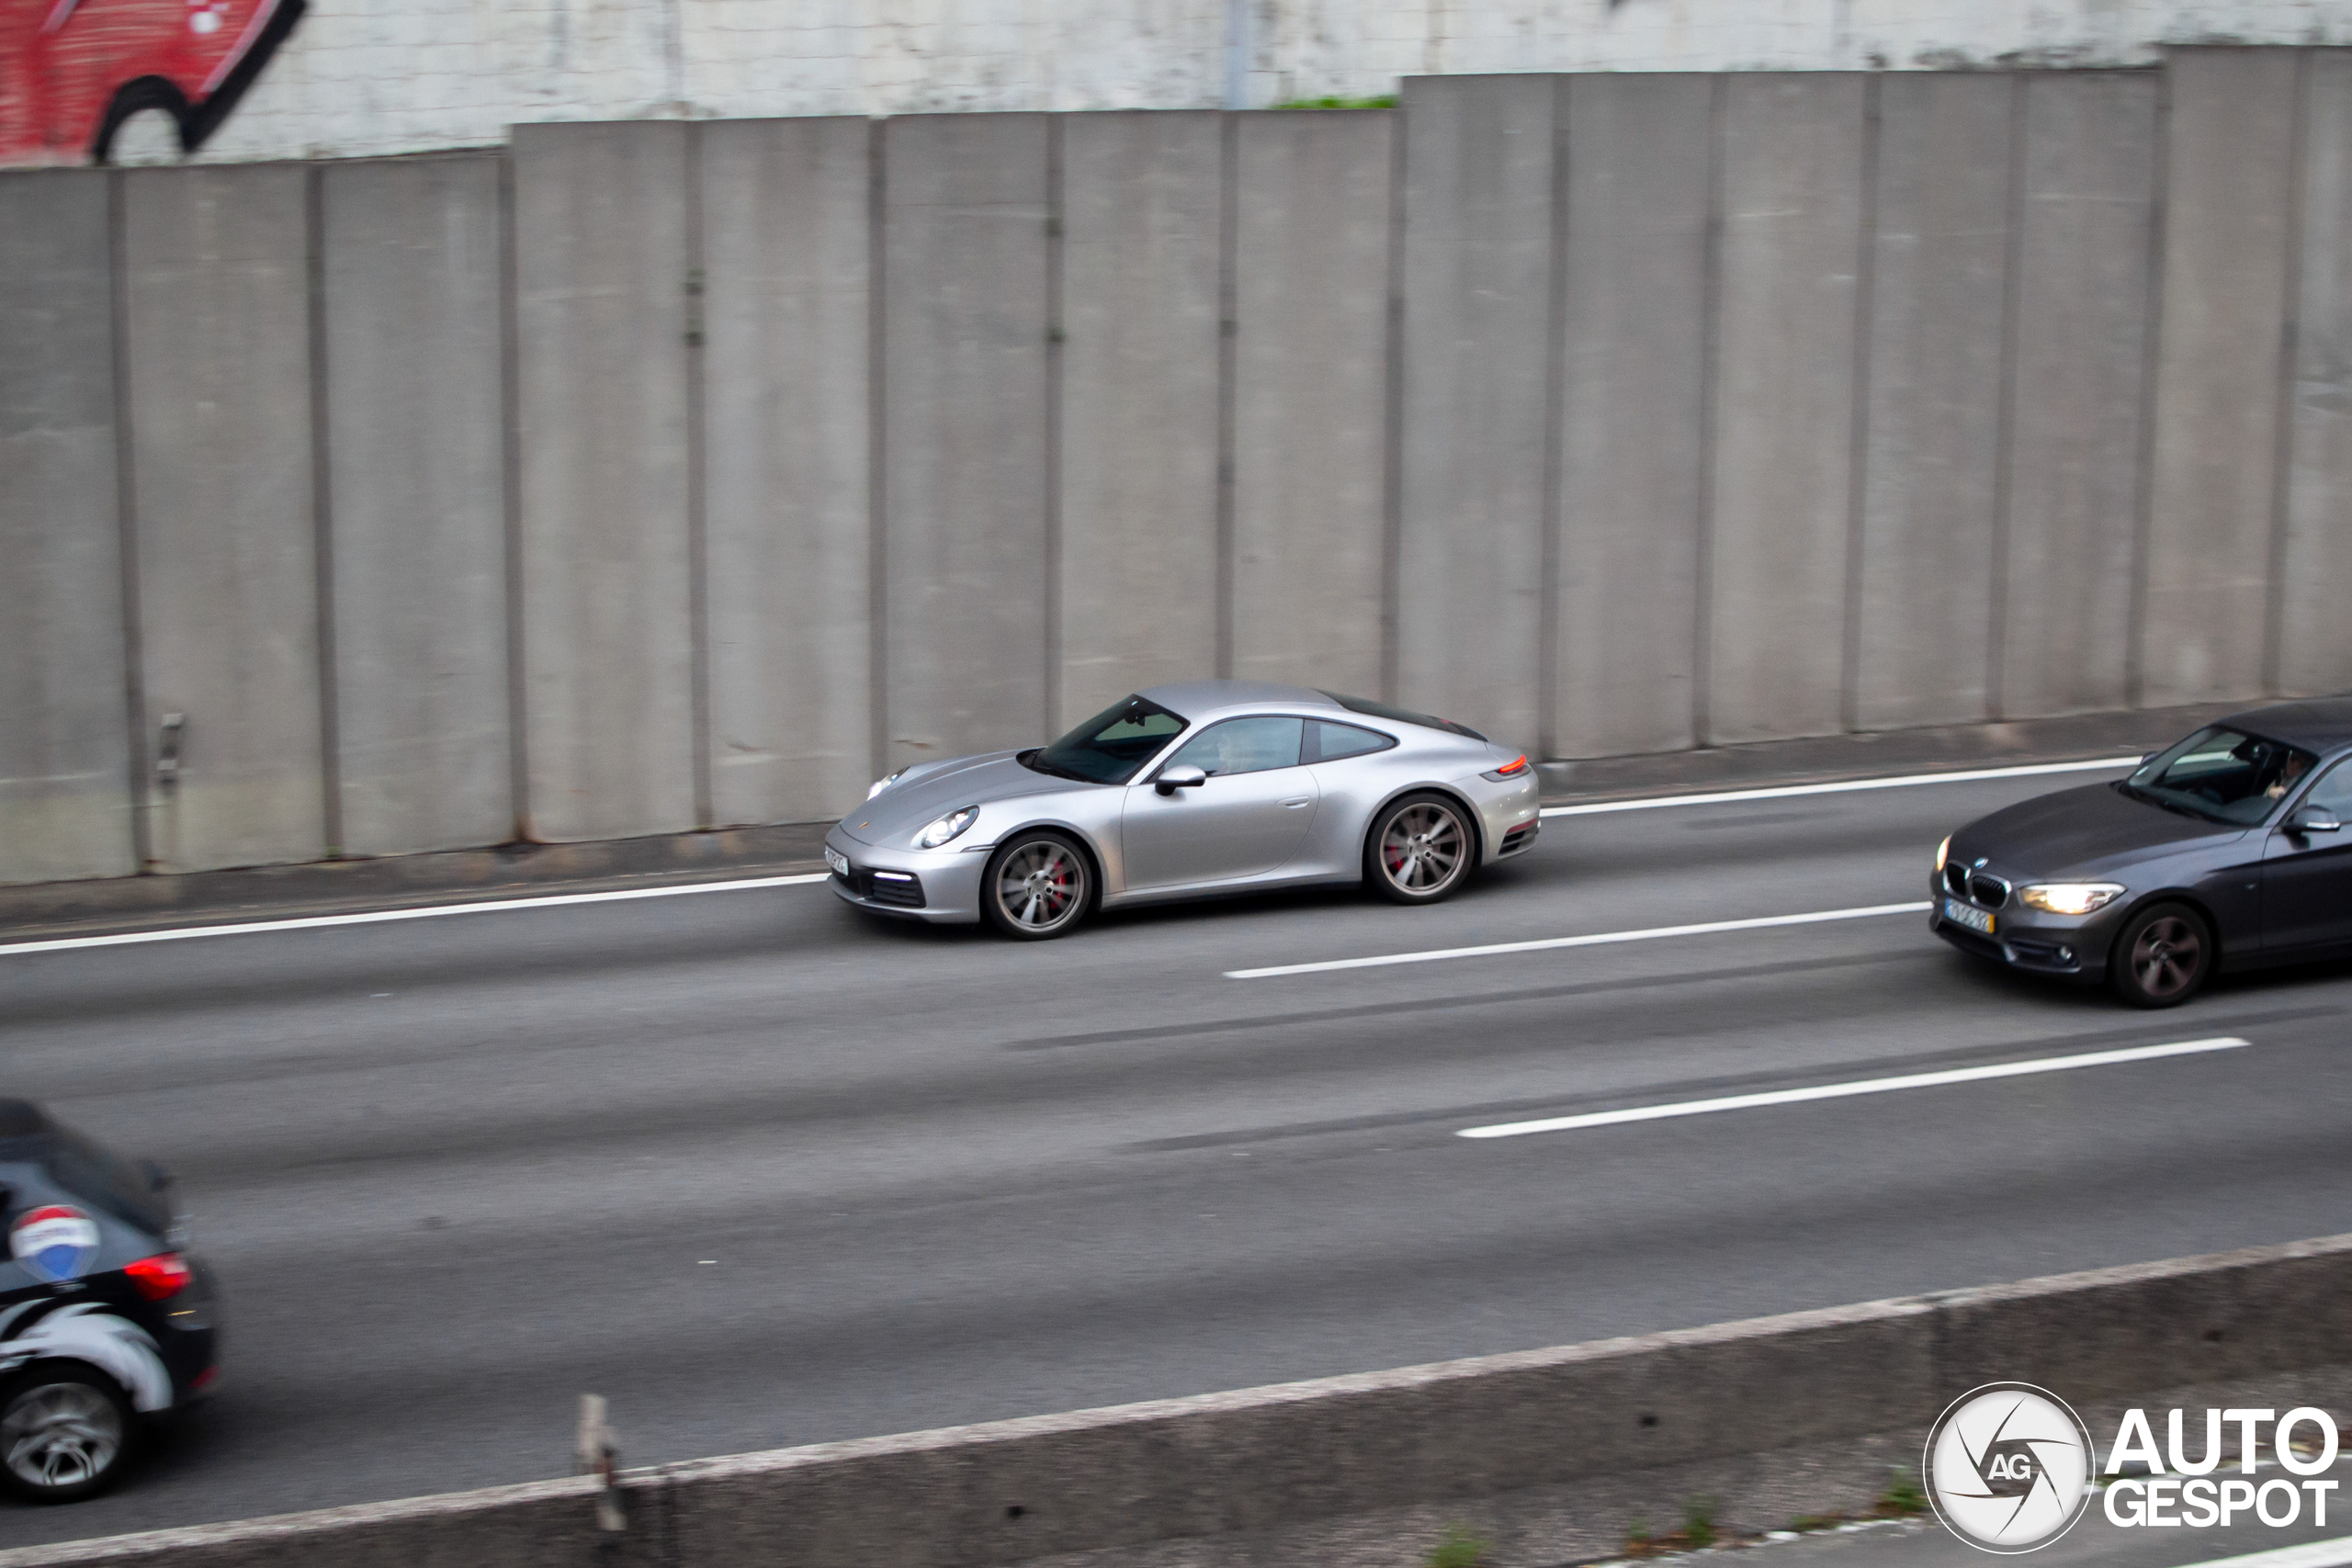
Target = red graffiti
(72,71)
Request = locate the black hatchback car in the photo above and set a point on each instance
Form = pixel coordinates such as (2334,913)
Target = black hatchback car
(106,1321)
(2228,851)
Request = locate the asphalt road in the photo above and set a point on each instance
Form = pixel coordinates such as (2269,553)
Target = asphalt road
(763,1173)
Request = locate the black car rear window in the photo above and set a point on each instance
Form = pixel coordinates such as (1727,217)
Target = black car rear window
(1401,716)
(104,1180)
(2222,775)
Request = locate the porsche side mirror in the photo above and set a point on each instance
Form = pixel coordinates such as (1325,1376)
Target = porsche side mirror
(2314,819)
(1171,780)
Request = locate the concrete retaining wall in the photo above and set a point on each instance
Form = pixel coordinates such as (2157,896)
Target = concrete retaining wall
(661,476)
(1136,1482)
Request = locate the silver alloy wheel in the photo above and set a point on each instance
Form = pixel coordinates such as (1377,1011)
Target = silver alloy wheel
(60,1435)
(2167,956)
(1041,886)
(1424,847)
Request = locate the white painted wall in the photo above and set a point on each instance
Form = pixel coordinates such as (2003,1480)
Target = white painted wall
(374,76)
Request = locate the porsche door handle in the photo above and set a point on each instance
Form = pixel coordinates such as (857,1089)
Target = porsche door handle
(1295,805)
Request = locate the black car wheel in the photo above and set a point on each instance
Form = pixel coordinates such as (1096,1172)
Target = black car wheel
(64,1430)
(1036,886)
(2162,957)
(1420,849)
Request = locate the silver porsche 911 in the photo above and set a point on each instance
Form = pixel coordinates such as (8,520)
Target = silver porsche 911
(1183,792)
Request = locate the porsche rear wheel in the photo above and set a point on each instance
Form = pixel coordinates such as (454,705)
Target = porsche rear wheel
(1036,886)
(1420,848)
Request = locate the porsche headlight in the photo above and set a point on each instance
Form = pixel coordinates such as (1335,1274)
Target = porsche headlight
(1943,850)
(881,785)
(2070,898)
(948,826)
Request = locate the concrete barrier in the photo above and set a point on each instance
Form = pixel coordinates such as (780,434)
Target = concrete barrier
(2312,636)
(1167,1481)
(1142,281)
(64,762)
(1477,357)
(964,475)
(1312,222)
(1787,313)
(414,308)
(676,476)
(1633,438)
(600,257)
(1931,439)
(787,451)
(216,277)
(2085,254)
(2230,165)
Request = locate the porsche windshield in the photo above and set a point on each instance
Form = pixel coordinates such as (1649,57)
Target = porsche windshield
(2222,775)
(1110,747)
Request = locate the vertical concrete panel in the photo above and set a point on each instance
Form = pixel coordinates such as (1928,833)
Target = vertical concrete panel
(1478,166)
(64,796)
(600,255)
(2228,157)
(1931,452)
(1784,391)
(785,242)
(1633,414)
(2088,167)
(1140,204)
(1311,269)
(416,476)
(220,365)
(964,358)
(2316,632)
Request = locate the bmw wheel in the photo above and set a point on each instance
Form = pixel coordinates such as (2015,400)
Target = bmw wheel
(2163,956)
(1038,885)
(1420,849)
(64,1430)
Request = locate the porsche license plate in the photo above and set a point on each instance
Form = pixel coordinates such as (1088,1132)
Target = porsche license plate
(1960,914)
(838,861)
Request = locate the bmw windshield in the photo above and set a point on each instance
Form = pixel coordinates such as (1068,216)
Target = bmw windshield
(2221,774)
(1110,747)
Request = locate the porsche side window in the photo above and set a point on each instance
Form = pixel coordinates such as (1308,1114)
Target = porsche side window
(1243,746)
(1328,742)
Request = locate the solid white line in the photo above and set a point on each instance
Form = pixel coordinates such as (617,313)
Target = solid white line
(380,917)
(1843,1091)
(1598,939)
(1843,786)
(2334,1553)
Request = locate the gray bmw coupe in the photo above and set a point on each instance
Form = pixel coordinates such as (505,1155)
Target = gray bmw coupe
(2228,851)
(1183,792)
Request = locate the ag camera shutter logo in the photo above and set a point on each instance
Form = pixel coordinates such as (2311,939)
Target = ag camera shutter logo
(2008,1467)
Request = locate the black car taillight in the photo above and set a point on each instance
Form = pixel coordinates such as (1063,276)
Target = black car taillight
(161,1277)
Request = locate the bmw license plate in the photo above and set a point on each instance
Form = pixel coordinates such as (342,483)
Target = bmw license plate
(1960,914)
(838,861)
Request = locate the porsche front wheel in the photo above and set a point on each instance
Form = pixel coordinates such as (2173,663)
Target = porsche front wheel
(1036,886)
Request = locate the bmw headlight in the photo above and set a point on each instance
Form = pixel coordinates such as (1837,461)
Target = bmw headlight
(1943,850)
(948,826)
(881,785)
(2070,898)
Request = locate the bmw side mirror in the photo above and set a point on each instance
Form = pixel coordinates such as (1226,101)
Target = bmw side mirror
(2314,819)
(1171,780)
